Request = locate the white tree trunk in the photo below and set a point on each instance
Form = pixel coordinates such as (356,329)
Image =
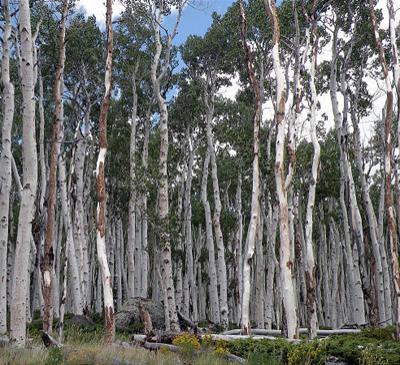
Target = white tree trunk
(163,199)
(221,269)
(255,194)
(391,220)
(5,162)
(28,193)
(309,259)
(285,262)
(215,316)
(190,267)
(239,249)
(132,199)
(71,249)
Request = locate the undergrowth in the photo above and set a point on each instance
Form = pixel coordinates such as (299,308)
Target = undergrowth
(370,347)
(84,345)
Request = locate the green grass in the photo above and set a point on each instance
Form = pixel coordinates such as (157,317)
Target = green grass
(370,347)
(86,346)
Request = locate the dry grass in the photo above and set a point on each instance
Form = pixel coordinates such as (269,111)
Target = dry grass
(85,354)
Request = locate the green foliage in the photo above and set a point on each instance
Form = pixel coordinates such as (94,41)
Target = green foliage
(370,347)
(55,357)
(187,343)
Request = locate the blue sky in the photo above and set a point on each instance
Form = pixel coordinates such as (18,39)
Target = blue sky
(197,19)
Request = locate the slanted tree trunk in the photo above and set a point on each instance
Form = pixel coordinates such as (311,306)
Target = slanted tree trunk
(255,195)
(5,162)
(109,322)
(28,193)
(391,220)
(285,262)
(47,263)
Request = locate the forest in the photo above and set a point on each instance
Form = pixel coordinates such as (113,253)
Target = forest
(230,198)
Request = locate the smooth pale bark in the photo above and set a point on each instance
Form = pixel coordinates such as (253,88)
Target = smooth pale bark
(255,194)
(259,279)
(272,263)
(118,263)
(353,272)
(71,249)
(157,78)
(190,266)
(145,253)
(179,288)
(372,220)
(132,198)
(309,257)
(42,159)
(285,262)
(109,322)
(80,228)
(239,250)
(391,220)
(221,267)
(47,263)
(5,161)
(28,193)
(215,316)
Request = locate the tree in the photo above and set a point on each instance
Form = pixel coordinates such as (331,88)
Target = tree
(255,195)
(48,259)
(388,118)
(28,193)
(157,77)
(109,321)
(282,183)
(5,162)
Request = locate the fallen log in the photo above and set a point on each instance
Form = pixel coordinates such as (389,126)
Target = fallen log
(139,338)
(264,332)
(186,322)
(244,337)
(164,337)
(157,346)
(234,358)
(49,341)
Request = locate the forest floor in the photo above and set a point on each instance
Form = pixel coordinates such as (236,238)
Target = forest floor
(85,346)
